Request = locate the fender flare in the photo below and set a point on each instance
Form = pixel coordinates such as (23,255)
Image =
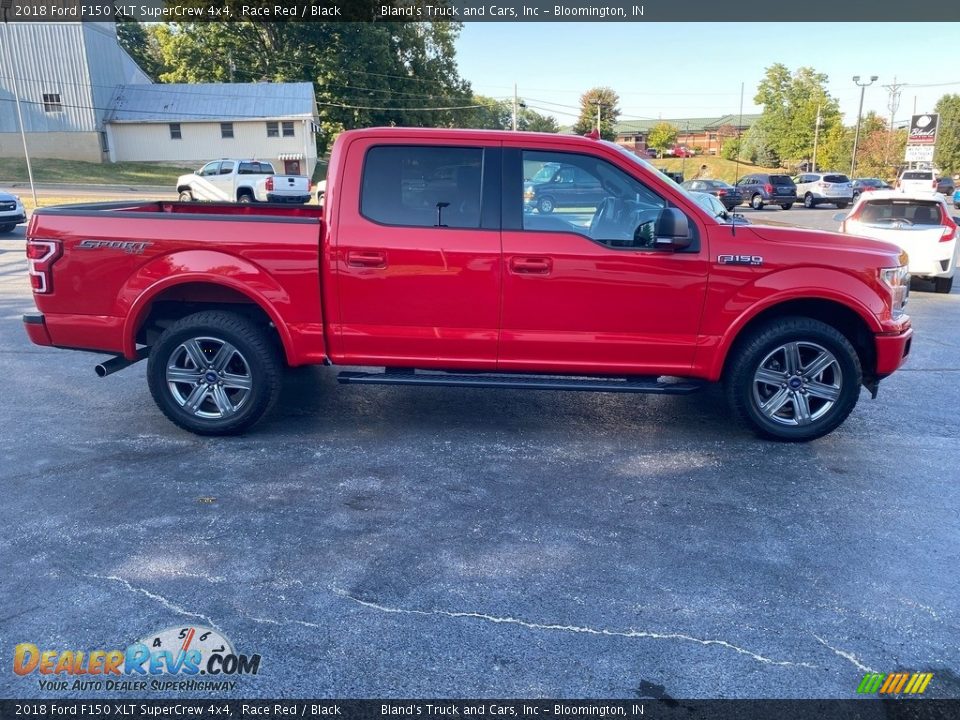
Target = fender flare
(246,278)
(821,292)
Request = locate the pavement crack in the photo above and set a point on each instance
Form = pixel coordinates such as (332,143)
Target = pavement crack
(271,621)
(845,655)
(571,628)
(173,607)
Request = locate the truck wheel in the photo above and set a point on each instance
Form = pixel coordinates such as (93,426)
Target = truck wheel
(245,198)
(842,206)
(186,196)
(214,373)
(756,202)
(545,205)
(793,379)
(943,285)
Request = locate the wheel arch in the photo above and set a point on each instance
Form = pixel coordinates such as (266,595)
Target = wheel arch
(851,322)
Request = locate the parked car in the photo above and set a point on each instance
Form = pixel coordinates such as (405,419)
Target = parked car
(711,203)
(11,212)
(862,185)
(242,181)
(917,180)
(918,222)
(680,151)
(725,192)
(759,189)
(945,186)
(956,198)
(559,185)
(818,188)
(453,284)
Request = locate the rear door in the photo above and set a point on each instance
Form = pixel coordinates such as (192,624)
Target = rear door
(583,288)
(417,254)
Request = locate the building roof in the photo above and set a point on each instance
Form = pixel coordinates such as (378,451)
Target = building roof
(686,124)
(198,102)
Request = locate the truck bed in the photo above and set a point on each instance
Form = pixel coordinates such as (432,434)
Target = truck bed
(162,208)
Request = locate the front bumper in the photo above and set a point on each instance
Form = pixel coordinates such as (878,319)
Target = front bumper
(16,218)
(892,351)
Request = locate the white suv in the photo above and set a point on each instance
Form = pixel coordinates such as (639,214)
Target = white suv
(917,180)
(816,188)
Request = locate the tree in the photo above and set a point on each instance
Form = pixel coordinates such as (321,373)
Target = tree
(730,149)
(608,101)
(662,136)
(535,122)
(757,146)
(947,155)
(790,101)
(879,151)
(141,46)
(836,147)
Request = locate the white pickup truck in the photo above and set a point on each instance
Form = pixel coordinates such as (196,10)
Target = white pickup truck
(230,180)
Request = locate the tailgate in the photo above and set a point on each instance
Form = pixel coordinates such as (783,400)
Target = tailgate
(290,185)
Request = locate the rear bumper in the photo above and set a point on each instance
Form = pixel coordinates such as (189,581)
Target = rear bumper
(298,199)
(36,327)
(892,351)
(780,199)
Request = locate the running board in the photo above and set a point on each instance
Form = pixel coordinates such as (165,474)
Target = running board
(521,382)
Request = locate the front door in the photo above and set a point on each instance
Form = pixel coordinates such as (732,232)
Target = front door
(584,290)
(417,259)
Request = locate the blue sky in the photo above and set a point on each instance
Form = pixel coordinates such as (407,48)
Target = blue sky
(695,69)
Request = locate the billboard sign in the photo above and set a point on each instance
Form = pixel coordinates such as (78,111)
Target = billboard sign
(923,129)
(918,153)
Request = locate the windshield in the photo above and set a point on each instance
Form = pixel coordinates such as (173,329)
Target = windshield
(545,174)
(640,161)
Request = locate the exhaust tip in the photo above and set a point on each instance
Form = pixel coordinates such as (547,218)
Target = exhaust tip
(100,370)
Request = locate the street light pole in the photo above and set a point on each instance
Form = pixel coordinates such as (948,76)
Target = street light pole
(6,5)
(856,137)
(816,138)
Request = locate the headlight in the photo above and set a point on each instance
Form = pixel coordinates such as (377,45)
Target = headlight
(897,281)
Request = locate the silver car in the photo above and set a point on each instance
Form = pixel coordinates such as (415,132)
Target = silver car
(816,188)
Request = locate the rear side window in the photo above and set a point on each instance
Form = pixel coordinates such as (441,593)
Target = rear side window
(422,186)
(255,168)
(836,179)
(780,180)
(917,175)
(916,212)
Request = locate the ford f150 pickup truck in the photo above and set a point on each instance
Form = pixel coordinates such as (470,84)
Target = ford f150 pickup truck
(242,181)
(426,266)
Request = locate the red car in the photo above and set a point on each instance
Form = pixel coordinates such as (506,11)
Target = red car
(425,266)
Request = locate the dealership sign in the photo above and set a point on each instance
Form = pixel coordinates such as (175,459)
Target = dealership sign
(918,153)
(923,129)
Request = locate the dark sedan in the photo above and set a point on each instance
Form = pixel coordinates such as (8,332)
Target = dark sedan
(724,192)
(862,185)
(945,185)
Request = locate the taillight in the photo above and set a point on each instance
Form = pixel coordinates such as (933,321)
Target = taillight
(769,188)
(269,183)
(41,255)
(309,186)
(721,193)
(934,184)
(949,230)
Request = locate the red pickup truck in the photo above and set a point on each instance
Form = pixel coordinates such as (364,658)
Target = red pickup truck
(432,263)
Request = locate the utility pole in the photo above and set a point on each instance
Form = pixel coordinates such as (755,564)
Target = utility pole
(816,138)
(6,5)
(599,105)
(856,137)
(892,105)
(514,107)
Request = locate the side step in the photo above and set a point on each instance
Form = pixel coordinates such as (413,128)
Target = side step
(521,382)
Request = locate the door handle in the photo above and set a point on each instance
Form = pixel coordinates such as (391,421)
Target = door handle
(531,265)
(366,259)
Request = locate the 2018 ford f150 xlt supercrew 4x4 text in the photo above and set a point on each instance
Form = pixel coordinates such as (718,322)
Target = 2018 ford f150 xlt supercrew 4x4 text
(427,266)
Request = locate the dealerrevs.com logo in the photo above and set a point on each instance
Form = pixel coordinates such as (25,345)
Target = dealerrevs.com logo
(198,658)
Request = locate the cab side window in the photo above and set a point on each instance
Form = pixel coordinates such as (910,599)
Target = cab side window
(599,201)
(425,186)
(211,168)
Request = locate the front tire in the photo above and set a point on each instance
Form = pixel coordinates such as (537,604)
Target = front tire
(186,196)
(214,373)
(756,202)
(787,206)
(545,205)
(943,285)
(7,228)
(793,379)
(842,205)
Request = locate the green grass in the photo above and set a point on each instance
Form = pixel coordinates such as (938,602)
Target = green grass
(720,169)
(73,171)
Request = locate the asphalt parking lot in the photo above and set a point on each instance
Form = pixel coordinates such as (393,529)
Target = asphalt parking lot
(405,542)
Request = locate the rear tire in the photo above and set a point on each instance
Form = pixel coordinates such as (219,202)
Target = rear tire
(787,206)
(842,205)
(245,198)
(809,202)
(756,202)
(943,285)
(186,196)
(793,379)
(214,373)
(7,228)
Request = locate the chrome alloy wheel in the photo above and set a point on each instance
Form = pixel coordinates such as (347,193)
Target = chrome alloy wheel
(797,383)
(208,377)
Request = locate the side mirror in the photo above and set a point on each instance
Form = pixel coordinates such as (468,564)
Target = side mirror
(672,230)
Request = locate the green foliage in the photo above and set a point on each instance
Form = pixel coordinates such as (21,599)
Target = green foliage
(757,146)
(785,130)
(364,74)
(662,136)
(141,46)
(730,149)
(947,155)
(836,147)
(535,122)
(609,112)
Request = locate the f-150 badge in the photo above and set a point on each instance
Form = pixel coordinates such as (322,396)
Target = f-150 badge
(740,259)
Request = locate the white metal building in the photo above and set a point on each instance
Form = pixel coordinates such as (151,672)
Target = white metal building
(84,98)
(193,123)
(67,73)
